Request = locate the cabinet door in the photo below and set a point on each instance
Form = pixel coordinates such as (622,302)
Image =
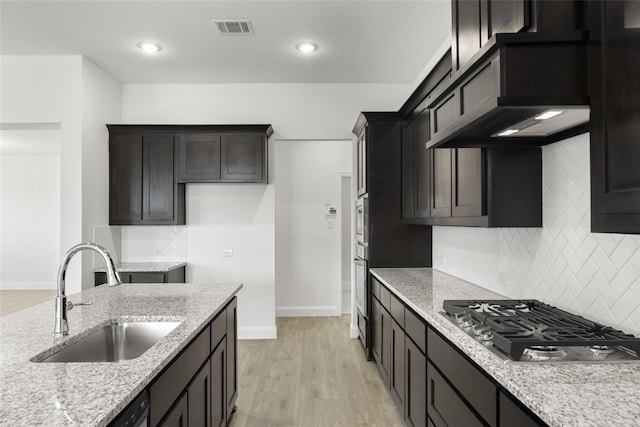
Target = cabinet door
(423,168)
(444,406)
(511,414)
(231,387)
(397,375)
(375,330)
(243,158)
(149,277)
(614,86)
(361,163)
(385,345)
(199,157)
(178,415)
(504,16)
(125,178)
(409,169)
(199,393)
(218,398)
(415,401)
(158,180)
(468,182)
(441,183)
(466,34)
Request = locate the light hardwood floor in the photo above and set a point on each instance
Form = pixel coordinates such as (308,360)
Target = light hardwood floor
(314,374)
(12,301)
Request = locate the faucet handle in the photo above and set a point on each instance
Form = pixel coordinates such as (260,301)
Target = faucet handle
(70,304)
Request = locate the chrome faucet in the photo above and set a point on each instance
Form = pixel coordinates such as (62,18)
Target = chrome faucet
(61,326)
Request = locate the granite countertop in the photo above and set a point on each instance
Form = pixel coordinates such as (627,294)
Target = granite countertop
(144,267)
(60,394)
(564,395)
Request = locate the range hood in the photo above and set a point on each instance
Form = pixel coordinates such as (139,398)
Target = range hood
(519,89)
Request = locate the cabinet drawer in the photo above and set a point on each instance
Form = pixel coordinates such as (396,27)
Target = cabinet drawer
(375,287)
(511,414)
(147,278)
(385,298)
(416,329)
(444,406)
(170,384)
(477,389)
(218,328)
(397,310)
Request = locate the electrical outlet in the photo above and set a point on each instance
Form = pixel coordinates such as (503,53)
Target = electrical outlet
(227,252)
(158,251)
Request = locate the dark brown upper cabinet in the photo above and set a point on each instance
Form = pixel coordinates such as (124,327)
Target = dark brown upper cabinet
(243,158)
(149,165)
(199,155)
(487,187)
(513,61)
(142,178)
(415,167)
(614,66)
(225,153)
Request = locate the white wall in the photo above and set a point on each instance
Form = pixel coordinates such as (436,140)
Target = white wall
(296,111)
(29,208)
(563,263)
(100,105)
(308,241)
(47,89)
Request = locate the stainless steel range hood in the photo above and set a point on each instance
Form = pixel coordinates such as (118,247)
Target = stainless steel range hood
(520,89)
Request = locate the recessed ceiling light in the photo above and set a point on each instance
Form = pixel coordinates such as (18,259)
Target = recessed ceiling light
(548,114)
(149,47)
(307,47)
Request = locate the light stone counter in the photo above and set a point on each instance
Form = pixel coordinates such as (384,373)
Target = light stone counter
(144,267)
(562,395)
(92,394)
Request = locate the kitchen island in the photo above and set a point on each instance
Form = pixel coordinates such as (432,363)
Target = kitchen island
(93,394)
(560,394)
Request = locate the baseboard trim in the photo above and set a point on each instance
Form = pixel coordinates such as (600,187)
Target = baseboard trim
(308,311)
(258,333)
(353,332)
(30,286)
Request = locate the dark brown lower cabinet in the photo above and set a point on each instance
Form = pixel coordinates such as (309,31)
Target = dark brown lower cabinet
(178,415)
(513,414)
(444,406)
(199,399)
(397,375)
(218,398)
(415,400)
(200,385)
(231,387)
(174,276)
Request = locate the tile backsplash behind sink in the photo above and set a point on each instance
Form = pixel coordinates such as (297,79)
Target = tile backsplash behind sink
(144,243)
(563,263)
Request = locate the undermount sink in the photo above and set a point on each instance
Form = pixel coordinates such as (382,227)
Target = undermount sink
(114,342)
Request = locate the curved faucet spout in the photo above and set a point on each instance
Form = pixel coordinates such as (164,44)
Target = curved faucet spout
(61,326)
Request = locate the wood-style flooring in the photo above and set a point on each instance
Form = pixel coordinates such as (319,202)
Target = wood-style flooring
(313,375)
(12,301)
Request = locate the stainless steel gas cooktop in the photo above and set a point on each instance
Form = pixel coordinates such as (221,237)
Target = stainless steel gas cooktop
(532,331)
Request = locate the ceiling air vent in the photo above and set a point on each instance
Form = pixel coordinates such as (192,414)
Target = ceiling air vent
(229,28)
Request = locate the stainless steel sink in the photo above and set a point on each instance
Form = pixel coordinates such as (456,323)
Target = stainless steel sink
(114,342)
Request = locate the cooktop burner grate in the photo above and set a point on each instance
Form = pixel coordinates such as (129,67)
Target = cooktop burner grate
(521,324)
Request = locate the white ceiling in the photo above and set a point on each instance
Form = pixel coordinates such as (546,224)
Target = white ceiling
(360,41)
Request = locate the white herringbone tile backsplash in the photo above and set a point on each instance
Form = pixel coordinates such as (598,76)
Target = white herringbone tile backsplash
(562,263)
(154,243)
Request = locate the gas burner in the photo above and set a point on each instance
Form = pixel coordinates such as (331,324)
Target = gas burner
(543,352)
